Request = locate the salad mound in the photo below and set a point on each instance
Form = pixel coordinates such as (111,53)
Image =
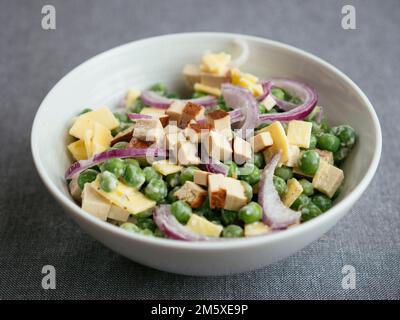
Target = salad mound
(241,157)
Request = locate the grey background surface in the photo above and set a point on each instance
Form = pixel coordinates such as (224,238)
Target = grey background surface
(34,231)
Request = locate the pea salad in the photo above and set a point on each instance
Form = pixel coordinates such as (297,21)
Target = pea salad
(240,157)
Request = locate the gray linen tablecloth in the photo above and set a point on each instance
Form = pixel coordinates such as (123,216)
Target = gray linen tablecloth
(34,231)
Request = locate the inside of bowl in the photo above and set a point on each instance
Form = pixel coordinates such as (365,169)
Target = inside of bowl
(104,79)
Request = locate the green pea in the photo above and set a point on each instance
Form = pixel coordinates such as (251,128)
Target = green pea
(233,169)
(324,125)
(222,104)
(308,188)
(121,145)
(296,100)
(309,212)
(346,135)
(248,190)
(134,176)
(86,176)
(232,231)
(250,173)
(187,175)
(116,166)
(182,211)
(259,160)
(322,202)
(280,185)
(159,88)
(207,212)
(327,141)
(86,110)
(172,95)
(273,110)
(278,93)
(171,195)
(261,108)
(316,129)
(144,214)
(228,217)
(128,226)
(146,232)
(138,106)
(108,181)
(301,201)
(150,173)
(284,172)
(146,223)
(158,233)
(313,142)
(132,162)
(198,94)
(156,189)
(121,117)
(173,179)
(341,155)
(251,212)
(309,162)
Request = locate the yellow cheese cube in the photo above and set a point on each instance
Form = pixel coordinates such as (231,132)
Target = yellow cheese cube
(206,89)
(299,133)
(294,191)
(86,121)
(78,150)
(154,112)
(165,167)
(328,178)
(216,63)
(247,81)
(101,139)
(280,139)
(127,198)
(202,226)
(131,97)
(87,138)
(255,229)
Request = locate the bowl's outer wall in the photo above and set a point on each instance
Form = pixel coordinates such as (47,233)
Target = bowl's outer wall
(104,79)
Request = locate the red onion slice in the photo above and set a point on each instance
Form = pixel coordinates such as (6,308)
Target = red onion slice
(79,166)
(276,214)
(155,100)
(171,227)
(236,116)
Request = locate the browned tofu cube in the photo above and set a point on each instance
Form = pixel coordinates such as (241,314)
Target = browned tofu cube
(191,193)
(218,146)
(261,141)
(148,130)
(214,80)
(325,155)
(235,195)
(216,191)
(175,111)
(200,177)
(190,112)
(123,136)
(187,154)
(195,132)
(241,150)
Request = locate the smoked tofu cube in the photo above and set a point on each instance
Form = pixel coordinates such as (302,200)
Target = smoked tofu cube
(191,193)
(279,138)
(75,190)
(294,191)
(325,155)
(202,226)
(148,130)
(190,112)
(241,150)
(207,89)
(173,137)
(213,80)
(261,141)
(216,191)
(293,156)
(235,197)
(131,97)
(118,214)
(269,102)
(328,178)
(218,146)
(220,120)
(195,132)
(187,154)
(175,111)
(94,203)
(255,229)
(191,73)
(165,167)
(299,133)
(78,150)
(200,177)
(123,136)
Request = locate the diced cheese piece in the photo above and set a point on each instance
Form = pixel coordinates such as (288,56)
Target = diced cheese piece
(200,177)
(87,138)
(328,178)
(294,191)
(216,191)
(299,133)
(125,197)
(235,197)
(130,98)
(279,138)
(216,63)
(165,167)
(241,150)
(148,130)
(218,146)
(78,150)
(154,112)
(206,89)
(118,214)
(101,139)
(325,155)
(202,226)
(247,81)
(293,156)
(187,154)
(191,72)
(175,111)
(261,140)
(75,190)
(255,229)
(191,193)
(269,102)
(190,112)
(94,203)
(102,116)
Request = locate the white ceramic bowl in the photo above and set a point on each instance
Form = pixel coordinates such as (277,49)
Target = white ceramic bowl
(104,79)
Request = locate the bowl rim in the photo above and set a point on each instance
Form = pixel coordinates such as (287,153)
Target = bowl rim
(210,245)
